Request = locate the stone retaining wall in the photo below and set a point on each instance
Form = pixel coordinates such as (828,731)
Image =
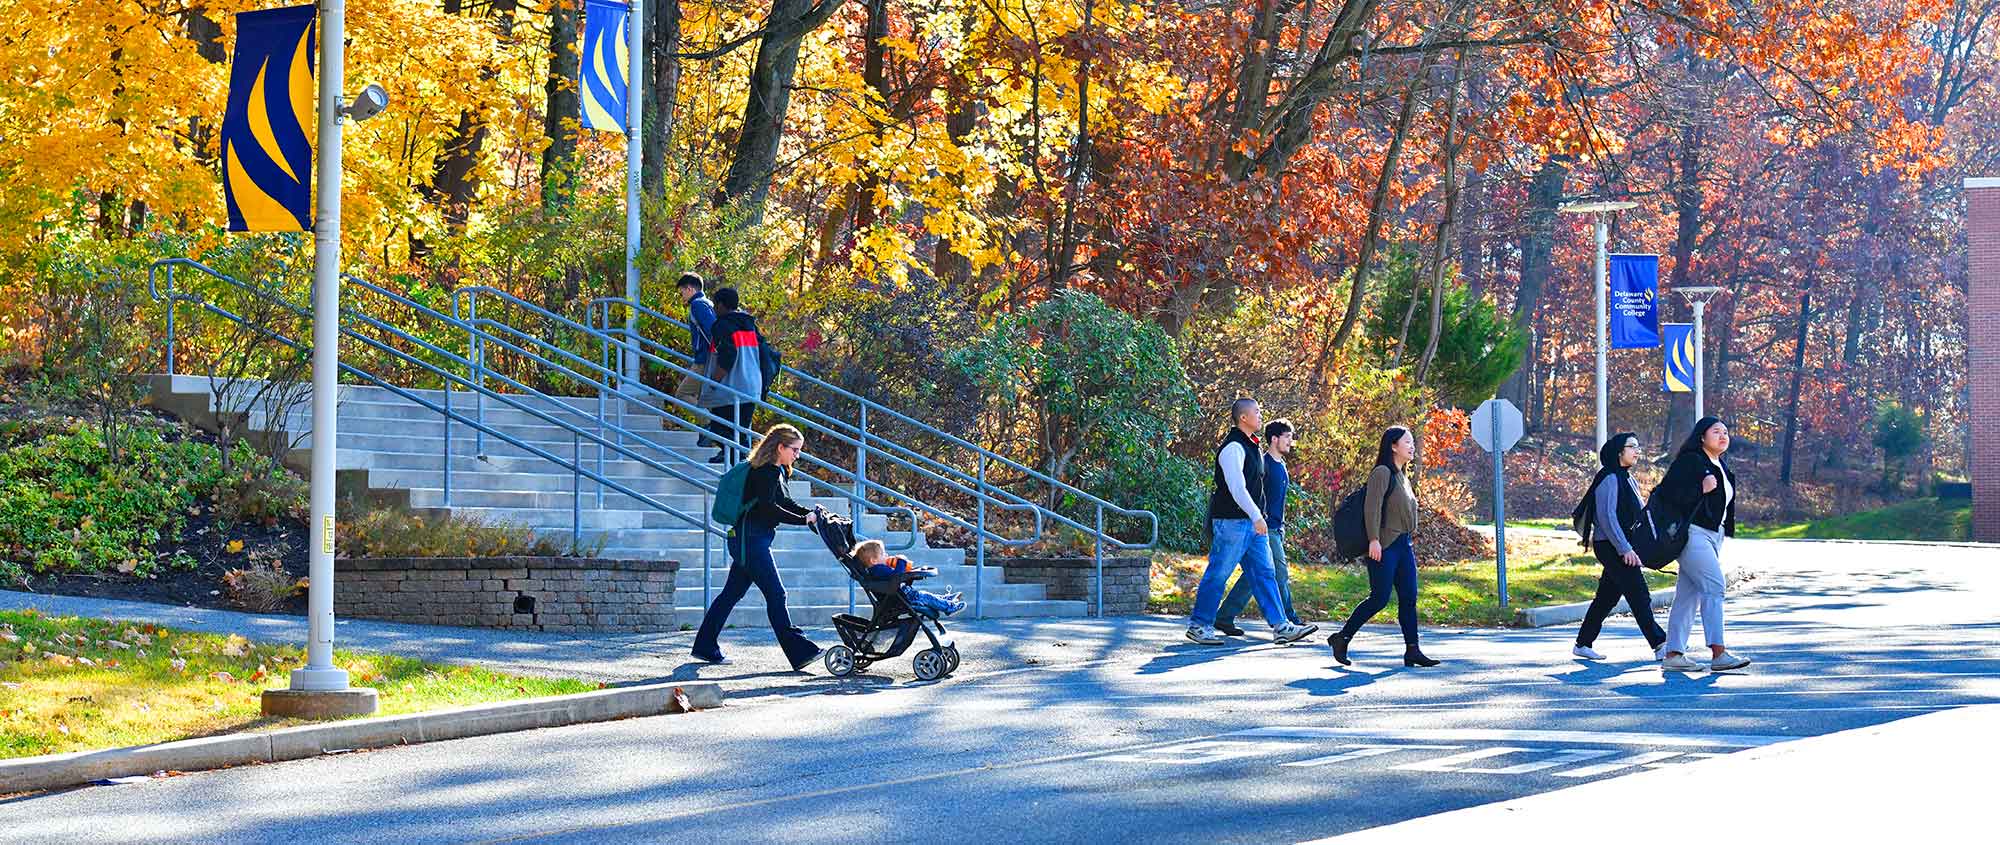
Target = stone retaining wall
(1127,580)
(531,593)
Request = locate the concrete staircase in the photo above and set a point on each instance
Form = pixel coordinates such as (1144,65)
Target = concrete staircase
(392,452)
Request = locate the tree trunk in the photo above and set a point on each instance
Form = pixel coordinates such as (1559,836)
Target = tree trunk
(874,74)
(560,122)
(1798,377)
(1377,209)
(663,44)
(1079,166)
(1544,195)
(1444,229)
(755,157)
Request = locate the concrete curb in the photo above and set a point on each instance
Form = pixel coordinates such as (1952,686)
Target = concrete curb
(55,771)
(1569,614)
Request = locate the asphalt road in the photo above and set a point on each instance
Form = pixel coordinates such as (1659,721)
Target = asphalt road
(1145,738)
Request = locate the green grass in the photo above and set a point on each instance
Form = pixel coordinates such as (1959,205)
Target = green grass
(1918,519)
(76,684)
(1556,524)
(1539,572)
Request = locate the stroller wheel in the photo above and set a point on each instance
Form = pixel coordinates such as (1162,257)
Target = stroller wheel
(931,664)
(839,661)
(951,656)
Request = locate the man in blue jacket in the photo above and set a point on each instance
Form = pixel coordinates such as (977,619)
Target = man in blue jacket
(701,316)
(1278,439)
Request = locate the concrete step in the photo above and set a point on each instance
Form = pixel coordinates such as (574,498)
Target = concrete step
(686,500)
(829,573)
(559,518)
(786,558)
(433,427)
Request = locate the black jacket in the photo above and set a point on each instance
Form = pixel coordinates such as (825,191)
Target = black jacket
(1682,489)
(764,492)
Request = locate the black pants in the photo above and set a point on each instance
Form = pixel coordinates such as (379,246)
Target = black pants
(750,564)
(720,426)
(1619,581)
(1396,570)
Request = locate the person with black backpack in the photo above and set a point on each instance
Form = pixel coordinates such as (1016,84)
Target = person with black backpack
(1701,486)
(762,506)
(1390,518)
(739,369)
(1611,503)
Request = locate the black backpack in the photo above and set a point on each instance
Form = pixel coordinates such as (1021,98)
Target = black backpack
(768,363)
(1657,532)
(1350,524)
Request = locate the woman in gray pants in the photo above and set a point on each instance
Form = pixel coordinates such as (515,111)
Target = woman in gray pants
(1700,485)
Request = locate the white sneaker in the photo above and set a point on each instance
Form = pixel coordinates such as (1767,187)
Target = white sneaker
(1586,652)
(1290,633)
(1203,635)
(1725,661)
(1680,663)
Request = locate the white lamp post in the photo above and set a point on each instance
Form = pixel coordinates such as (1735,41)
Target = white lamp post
(635,23)
(319,689)
(1698,296)
(1601,282)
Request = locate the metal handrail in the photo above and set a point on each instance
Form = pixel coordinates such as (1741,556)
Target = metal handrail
(866,484)
(982,452)
(636,341)
(575,464)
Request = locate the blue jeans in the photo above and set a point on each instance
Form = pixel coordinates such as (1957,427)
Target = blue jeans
(1239,595)
(1236,542)
(750,563)
(1396,570)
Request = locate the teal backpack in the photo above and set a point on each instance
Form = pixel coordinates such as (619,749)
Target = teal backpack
(729,505)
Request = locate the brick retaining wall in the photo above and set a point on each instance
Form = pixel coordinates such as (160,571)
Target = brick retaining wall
(1127,580)
(531,593)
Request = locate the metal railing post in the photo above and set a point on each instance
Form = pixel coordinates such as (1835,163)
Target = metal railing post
(604,358)
(447,442)
(707,507)
(575,492)
(856,510)
(979,557)
(171,302)
(476,353)
(1098,555)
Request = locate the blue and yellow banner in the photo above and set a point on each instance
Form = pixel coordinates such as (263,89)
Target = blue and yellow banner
(1679,353)
(606,57)
(267,131)
(1635,293)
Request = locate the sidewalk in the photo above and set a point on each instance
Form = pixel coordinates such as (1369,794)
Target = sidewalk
(1912,780)
(757,666)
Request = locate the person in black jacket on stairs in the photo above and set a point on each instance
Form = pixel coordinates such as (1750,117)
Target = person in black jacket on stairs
(750,560)
(1613,502)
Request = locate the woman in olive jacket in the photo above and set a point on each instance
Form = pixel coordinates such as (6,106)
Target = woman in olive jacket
(1701,486)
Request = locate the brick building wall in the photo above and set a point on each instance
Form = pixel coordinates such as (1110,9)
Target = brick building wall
(1982,305)
(1127,580)
(529,593)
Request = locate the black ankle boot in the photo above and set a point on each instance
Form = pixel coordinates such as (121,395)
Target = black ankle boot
(1414,656)
(1339,643)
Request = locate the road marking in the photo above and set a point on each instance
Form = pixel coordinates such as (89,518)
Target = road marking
(1365,751)
(1462,735)
(1204,752)
(1453,762)
(1640,759)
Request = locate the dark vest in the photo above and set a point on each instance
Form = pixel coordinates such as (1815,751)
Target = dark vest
(1221,505)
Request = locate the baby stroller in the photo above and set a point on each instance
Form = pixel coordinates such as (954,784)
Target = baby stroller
(892,626)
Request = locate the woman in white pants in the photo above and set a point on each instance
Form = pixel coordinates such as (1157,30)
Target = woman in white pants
(1702,486)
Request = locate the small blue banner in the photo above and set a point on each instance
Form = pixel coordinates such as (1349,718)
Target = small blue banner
(605,60)
(267,126)
(1634,301)
(1679,354)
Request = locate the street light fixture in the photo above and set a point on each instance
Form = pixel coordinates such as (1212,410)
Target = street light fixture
(1600,208)
(1698,296)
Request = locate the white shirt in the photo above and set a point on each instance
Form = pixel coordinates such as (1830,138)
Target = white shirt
(1728,490)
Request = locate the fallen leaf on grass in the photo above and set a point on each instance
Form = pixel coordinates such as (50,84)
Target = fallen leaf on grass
(234,547)
(237,646)
(179,665)
(60,659)
(121,646)
(224,677)
(128,567)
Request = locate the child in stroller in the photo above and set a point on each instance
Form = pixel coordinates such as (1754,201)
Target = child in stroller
(880,564)
(894,622)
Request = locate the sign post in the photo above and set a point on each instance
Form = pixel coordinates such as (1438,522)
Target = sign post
(1497,427)
(1599,282)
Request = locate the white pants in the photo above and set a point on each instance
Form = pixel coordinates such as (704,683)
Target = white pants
(1699,587)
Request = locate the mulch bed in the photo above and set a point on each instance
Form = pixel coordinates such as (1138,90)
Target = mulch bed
(206,542)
